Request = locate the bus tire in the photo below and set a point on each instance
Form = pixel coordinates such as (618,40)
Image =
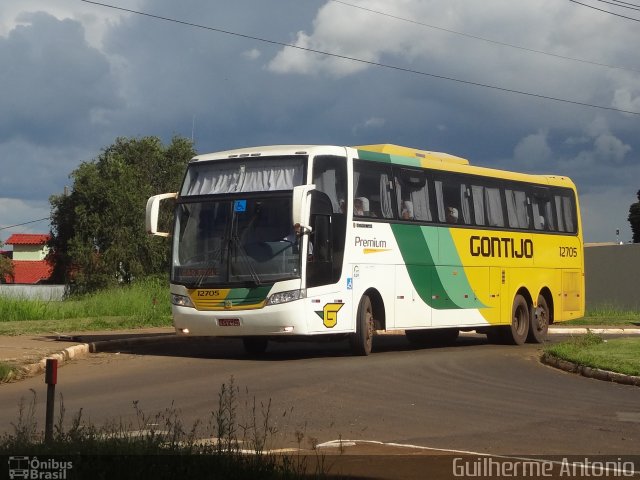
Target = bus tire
(539,322)
(519,321)
(255,345)
(361,340)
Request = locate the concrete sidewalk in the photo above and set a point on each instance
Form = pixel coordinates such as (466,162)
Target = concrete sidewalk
(29,352)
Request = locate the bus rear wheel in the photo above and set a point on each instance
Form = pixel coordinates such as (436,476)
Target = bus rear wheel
(361,340)
(255,345)
(539,322)
(519,321)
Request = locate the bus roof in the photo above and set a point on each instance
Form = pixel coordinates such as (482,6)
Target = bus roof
(391,149)
(397,154)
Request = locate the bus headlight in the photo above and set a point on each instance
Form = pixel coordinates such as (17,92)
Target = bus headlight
(288,296)
(181,301)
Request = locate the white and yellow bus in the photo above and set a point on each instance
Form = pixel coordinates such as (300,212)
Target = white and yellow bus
(291,242)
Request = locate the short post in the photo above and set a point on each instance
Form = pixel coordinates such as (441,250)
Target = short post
(50,378)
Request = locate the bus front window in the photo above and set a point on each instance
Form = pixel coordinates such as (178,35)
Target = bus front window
(236,241)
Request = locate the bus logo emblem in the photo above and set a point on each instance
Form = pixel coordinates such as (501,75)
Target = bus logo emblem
(228,304)
(329,314)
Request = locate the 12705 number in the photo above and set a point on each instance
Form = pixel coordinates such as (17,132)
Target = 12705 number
(571,252)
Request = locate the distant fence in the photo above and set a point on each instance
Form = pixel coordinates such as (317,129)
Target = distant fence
(39,292)
(612,276)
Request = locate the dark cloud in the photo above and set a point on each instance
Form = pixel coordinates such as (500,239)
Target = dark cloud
(55,86)
(65,99)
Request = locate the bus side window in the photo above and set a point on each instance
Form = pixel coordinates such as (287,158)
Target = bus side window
(412,191)
(517,210)
(372,185)
(564,213)
(493,200)
(542,211)
(448,200)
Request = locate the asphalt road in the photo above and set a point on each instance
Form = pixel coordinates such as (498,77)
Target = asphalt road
(472,396)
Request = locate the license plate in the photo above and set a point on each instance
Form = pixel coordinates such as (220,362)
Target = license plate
(229,322)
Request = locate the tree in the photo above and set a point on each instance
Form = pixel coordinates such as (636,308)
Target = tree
(634,219)
(6,267)
(98,235)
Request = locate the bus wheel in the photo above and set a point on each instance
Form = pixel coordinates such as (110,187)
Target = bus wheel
(255,345)
(519,321)
(539,322)
(362,340)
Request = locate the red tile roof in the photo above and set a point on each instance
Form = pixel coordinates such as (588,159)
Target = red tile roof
(30,272)
(28,239)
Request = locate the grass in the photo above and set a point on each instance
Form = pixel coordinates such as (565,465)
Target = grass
(142,304)
(621,355)
(234,443)
(5,371)
(607,316)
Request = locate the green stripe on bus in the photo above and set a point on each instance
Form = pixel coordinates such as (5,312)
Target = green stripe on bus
(387,158)
(248,296)
(434,266)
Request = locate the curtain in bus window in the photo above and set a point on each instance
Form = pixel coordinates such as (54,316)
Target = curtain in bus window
(326,182)
(538,218)
(477,193)
(558,202)
(421,207)
(385,196)
(548,215)
(495,217)
(440,201)
(517,209)
(464,204)
(249,177)
(567,206)
(400,205)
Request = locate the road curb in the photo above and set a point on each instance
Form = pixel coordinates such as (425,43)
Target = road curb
(589,372)
(595,330)
(82,350)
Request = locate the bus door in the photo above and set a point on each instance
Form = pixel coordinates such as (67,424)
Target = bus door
(328,305)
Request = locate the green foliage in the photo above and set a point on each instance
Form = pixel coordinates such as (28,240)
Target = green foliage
(620,355)
(634,219)
(6,267)
(143,303)
(161,446)
(607,315)
(98,236)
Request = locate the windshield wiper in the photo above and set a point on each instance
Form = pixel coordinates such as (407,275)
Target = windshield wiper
(245,258)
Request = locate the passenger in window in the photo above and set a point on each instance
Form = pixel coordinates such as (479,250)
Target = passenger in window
(452,215)
(361,206)
(407,210)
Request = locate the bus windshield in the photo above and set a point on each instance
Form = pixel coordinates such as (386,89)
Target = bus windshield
(234,241)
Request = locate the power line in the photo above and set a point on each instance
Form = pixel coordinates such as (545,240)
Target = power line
(365,62)
(616,3)
(483,39)
(25,223)
(605,11)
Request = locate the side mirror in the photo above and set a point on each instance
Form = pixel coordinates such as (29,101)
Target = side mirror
(152,211)
(301,205)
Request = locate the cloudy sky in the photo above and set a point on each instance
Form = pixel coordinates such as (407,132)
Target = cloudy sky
(76,75)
